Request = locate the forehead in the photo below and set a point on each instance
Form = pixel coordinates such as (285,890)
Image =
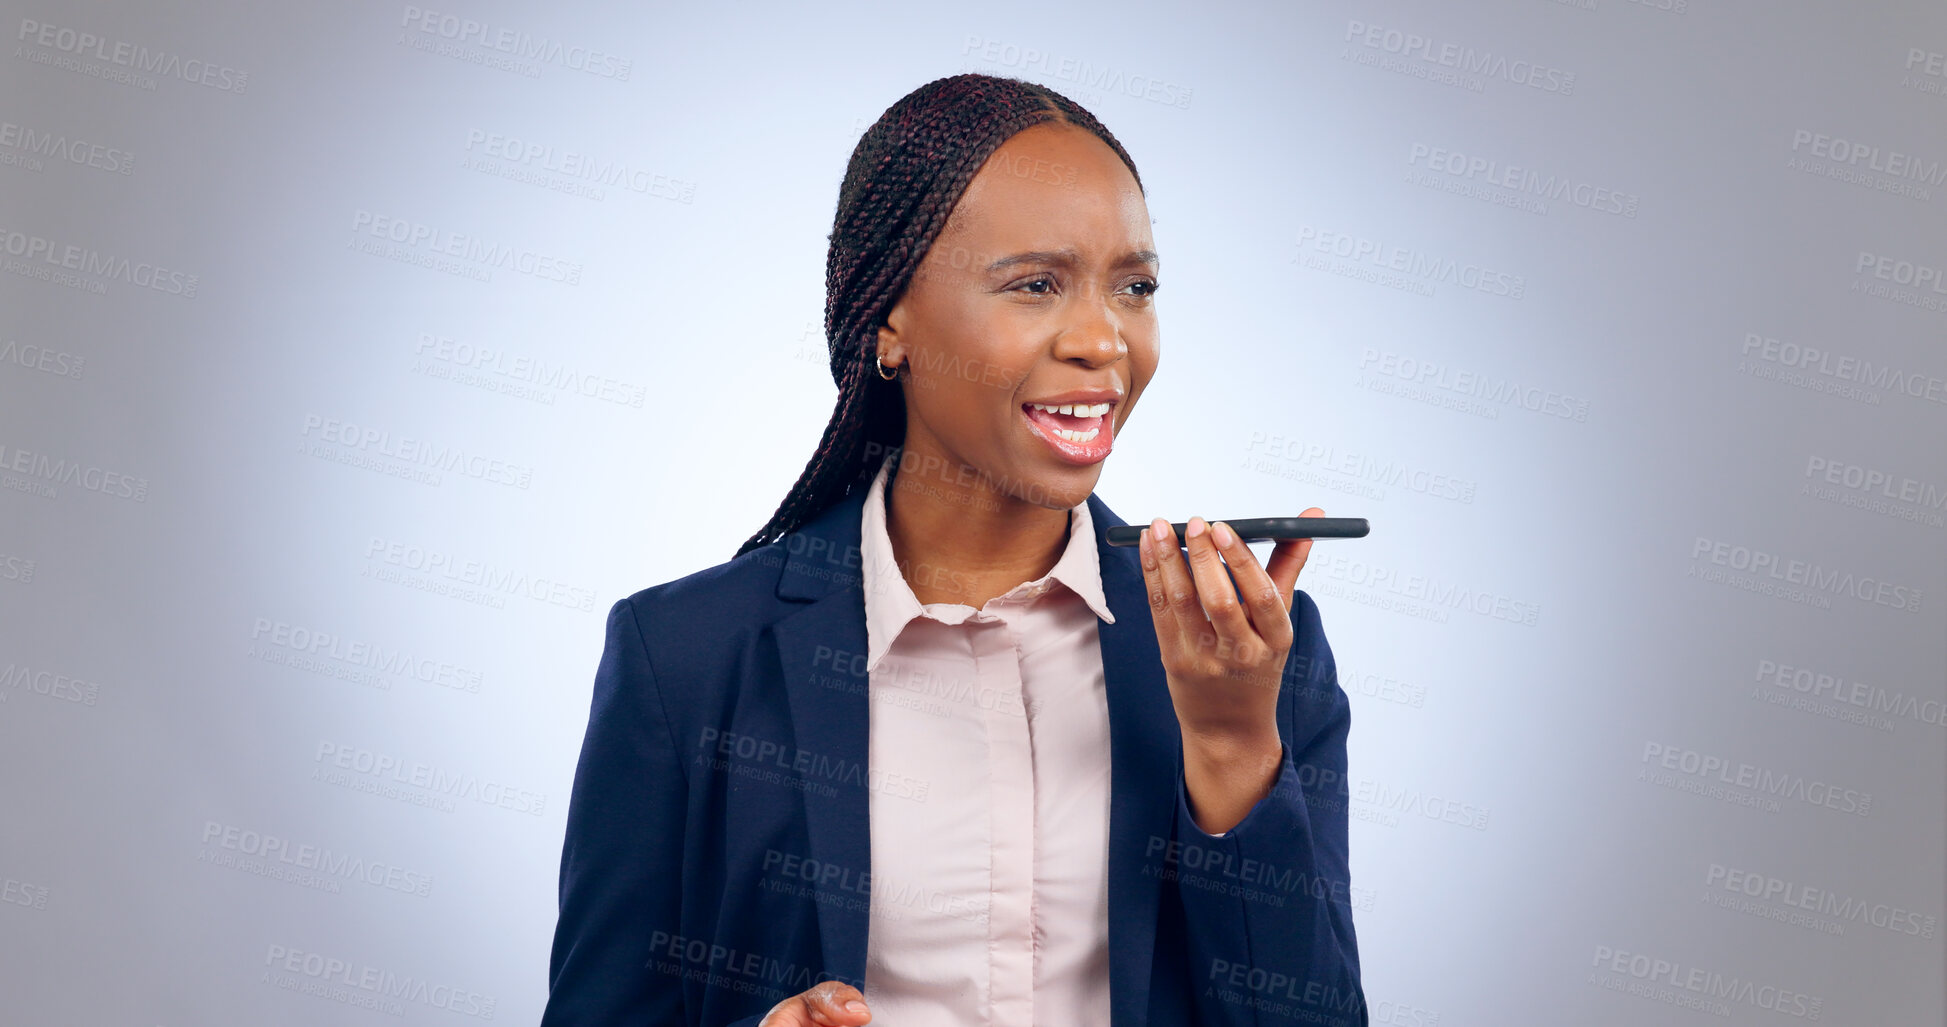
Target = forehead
(1053,183)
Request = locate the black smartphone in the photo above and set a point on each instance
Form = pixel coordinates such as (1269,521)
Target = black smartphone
(1257,529)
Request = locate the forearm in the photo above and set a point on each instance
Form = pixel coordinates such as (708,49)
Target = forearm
(1267,916)
(1225,776)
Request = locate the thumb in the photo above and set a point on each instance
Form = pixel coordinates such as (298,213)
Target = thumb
(1288,558)
(826,1004)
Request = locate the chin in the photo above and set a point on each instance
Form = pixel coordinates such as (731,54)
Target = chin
(1064,487)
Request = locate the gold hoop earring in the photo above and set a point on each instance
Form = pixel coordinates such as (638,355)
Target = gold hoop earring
(882,368)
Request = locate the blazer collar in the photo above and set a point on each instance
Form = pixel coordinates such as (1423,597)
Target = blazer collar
(827,637)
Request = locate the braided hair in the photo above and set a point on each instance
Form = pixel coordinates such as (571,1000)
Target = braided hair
(905,176)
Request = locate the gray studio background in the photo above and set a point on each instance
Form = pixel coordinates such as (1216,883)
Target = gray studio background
(355,357)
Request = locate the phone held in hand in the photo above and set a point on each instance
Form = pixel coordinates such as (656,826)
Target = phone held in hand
(1256,529)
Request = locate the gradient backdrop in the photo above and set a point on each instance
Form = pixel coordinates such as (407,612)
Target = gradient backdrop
(355,357)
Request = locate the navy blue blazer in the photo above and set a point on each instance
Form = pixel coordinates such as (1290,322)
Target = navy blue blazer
(718,854)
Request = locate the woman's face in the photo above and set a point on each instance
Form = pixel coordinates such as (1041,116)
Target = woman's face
(1037,290)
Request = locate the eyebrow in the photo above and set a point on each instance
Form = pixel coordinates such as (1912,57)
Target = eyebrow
(1070,258)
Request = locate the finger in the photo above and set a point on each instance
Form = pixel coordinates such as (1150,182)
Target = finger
(835,1004)
(1163,576)
(1289,558)
(1230,630)
(1268,608)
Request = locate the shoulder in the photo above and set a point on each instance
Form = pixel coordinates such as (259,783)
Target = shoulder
(705,610)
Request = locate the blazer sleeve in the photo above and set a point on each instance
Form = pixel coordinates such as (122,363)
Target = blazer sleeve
(621,861)
(1267,905)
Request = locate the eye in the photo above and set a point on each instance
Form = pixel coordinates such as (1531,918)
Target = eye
(1038,280)
(1149,286)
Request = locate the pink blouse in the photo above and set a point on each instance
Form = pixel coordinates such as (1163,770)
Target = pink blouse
(989,900)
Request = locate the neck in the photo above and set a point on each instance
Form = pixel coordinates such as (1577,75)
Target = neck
(968,544)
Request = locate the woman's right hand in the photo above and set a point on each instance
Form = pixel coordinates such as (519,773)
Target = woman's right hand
(826,1004)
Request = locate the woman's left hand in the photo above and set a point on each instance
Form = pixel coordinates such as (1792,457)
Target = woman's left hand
(1223,649)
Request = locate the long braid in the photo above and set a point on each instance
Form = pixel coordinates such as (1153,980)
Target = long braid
(905,176)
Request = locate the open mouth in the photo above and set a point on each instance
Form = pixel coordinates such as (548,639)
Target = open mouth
(1078,432)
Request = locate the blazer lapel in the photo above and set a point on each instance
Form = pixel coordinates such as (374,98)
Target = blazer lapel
(1144,752)
(823,566)
(827,637)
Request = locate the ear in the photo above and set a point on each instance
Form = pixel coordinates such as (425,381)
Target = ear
(892,347)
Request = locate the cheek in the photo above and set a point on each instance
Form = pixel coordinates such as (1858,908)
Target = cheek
(978,380)
(970,344)
(1143,363)
(960,403)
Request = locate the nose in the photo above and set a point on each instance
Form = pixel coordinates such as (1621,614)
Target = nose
(1093,337)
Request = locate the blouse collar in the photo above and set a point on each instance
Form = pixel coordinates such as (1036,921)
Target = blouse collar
(890,603)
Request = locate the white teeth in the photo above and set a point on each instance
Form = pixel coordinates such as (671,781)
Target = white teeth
(1078,436)
(1075,409)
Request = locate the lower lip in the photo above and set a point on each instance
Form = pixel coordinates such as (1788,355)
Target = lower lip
(1078,453)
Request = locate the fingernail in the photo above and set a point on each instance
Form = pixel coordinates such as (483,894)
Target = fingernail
(1221,532)
(1196,528)
(855,1006)
(1159,530)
